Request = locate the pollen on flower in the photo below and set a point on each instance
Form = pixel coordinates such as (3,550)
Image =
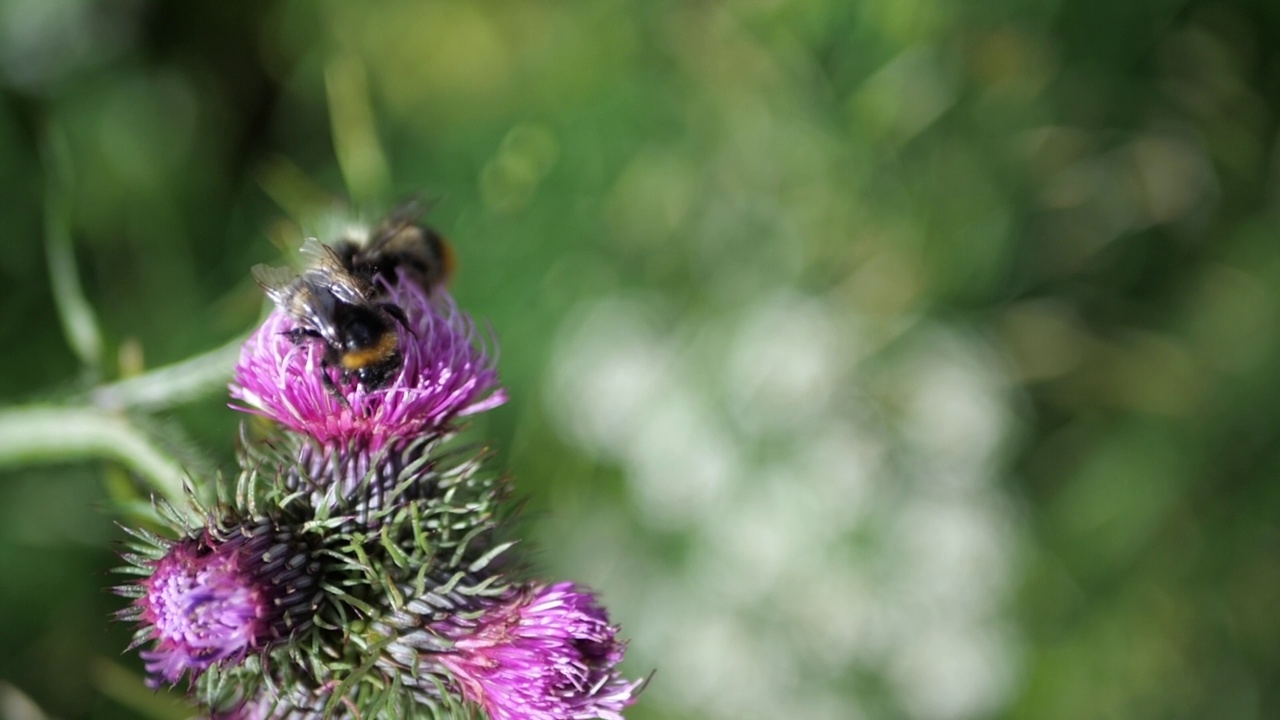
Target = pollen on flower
(444,374)
(549,653)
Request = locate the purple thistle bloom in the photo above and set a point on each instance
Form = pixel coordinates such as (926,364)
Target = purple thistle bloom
(212,600)
(203,611)
(548,653)
(443,375)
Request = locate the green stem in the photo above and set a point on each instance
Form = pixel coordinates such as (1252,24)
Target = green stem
(172,384)
(49,433)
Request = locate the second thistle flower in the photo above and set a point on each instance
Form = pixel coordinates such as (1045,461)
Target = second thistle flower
(215,596)
(538,652)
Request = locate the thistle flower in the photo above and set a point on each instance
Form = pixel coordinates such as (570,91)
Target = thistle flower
(538,653)
(421,612)
(213,597)
(444,374)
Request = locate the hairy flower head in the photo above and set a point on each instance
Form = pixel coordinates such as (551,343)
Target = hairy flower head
(443,374)
(545,653)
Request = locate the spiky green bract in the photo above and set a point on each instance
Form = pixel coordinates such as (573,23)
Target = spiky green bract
(419,519)
(413,646)
(408,510)
(316,703)
(378,671)
(371,486)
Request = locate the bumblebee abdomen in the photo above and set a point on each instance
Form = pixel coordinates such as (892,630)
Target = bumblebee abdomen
(384,350)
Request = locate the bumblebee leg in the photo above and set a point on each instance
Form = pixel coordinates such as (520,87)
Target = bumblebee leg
(297,335)
(332,387)
(398,315)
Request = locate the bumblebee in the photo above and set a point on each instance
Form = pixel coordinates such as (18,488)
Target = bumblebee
(401,242)
(329,301)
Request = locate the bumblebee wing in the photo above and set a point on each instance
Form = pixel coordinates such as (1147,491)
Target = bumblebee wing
(311,306)
(297,297)
(277,282)
(404,215)
(327,268)
(322,257)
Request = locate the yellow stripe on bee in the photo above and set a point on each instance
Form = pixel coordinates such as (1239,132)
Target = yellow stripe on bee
(356,359)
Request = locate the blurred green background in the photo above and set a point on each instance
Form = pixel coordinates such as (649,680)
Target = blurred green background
(874,359)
